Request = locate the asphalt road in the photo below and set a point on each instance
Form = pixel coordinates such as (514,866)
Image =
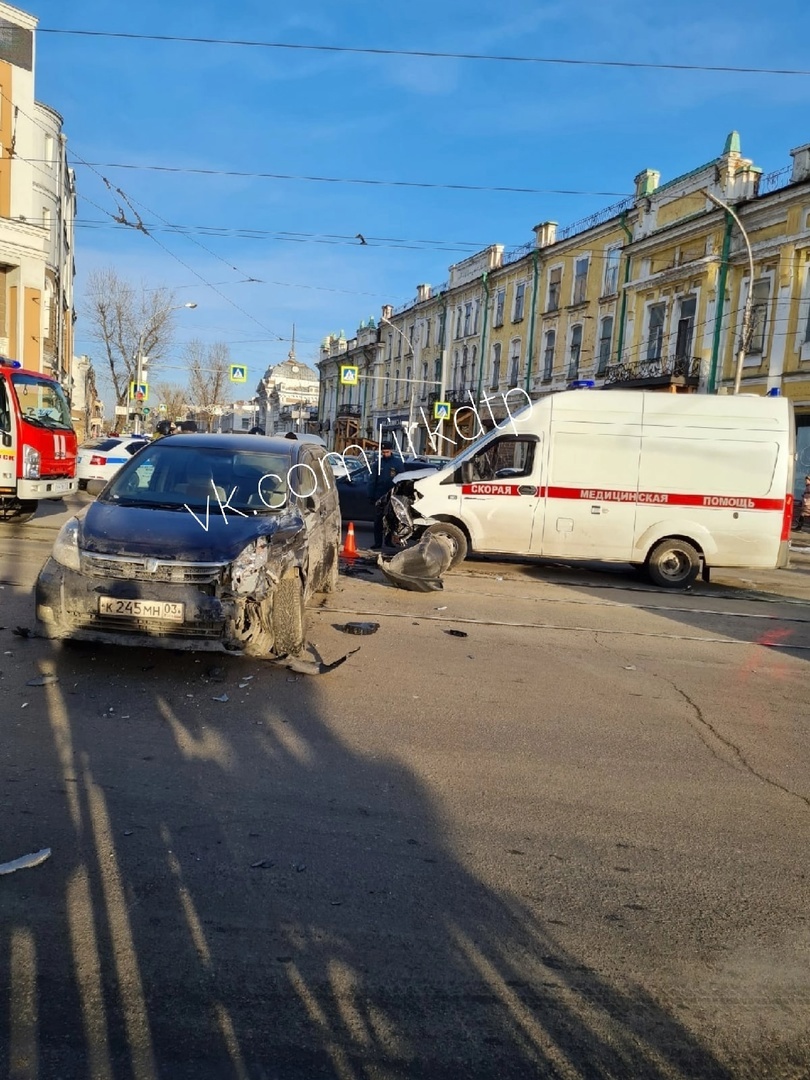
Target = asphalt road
(572,843)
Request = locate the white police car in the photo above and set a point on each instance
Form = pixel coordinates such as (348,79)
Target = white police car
(100,459)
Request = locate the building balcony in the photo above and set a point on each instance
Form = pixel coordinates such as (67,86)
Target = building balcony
(348,410)
(664,371)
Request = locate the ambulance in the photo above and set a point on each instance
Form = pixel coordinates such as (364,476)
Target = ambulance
(38,445)
(670,483)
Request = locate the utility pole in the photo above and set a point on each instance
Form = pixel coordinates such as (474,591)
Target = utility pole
(745,330)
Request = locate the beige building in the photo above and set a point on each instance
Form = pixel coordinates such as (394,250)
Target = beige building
(37,212)
(650,293)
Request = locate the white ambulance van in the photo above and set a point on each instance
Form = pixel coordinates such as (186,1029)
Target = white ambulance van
(665,482)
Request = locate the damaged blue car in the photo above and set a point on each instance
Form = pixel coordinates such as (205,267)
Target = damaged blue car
(201,542)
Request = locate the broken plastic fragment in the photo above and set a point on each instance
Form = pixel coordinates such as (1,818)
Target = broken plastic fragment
(43,680)
(457,633)
(26,862)
(359,627)
(222,697)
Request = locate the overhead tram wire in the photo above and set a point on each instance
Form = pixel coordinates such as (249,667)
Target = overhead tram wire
(362,181)
(430,54)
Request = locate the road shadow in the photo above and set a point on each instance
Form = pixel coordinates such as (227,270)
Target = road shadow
(240,888)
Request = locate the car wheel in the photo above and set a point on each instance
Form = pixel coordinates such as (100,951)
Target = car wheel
(82,485)
(458,540)
(673,564)
(17,513)
(288,615)
(330,583)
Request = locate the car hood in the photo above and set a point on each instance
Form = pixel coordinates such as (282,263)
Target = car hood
(107,529)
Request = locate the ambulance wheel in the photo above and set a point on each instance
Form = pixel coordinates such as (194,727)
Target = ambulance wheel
(673,564)
(458,541)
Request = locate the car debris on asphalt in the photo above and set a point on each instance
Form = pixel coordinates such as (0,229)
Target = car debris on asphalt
(26,862)
(419,568)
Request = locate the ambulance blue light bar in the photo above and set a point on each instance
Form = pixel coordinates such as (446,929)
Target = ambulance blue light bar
(5,362)
(582,384)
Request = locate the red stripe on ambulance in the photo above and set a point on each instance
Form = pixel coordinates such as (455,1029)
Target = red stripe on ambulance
(664,498)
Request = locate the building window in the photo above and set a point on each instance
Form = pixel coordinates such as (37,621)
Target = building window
(437,375)
(467,319)
(520,296)
(496,366)
(612,258)
(655,331)
(458,322)
(390,346)
(385,391)
(399,344)
(411,336)
(575,351)
(514,364)
(759,316)
(548,353)
(427,333)
(605,339)
(473,366)
(554,289)
(500,301)
(476,311)
(396,386)
(581,279)
(440,331)
(686,327)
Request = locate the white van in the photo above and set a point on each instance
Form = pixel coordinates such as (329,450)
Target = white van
(663,481)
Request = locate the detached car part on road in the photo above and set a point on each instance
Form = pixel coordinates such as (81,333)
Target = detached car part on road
(209,542)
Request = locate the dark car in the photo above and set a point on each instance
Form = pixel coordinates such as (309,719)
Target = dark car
(211,542)
(355,504)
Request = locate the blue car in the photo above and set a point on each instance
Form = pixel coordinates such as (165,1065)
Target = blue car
(211,542)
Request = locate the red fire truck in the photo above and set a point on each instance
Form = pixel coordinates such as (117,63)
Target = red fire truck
(38,445)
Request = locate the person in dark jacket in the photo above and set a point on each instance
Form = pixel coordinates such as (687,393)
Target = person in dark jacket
(383,475)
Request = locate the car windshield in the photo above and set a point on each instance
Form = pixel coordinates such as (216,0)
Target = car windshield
(41,401)
(199,477)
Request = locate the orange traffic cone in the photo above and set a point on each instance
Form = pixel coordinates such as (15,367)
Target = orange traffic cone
(350,545)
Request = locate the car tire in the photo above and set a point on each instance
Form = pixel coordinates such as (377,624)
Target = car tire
(673,563)
(288,616)
(456,537)
(82,485)
(19,513)
(332,578)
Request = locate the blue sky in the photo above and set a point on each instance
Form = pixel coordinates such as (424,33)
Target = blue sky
(226,108)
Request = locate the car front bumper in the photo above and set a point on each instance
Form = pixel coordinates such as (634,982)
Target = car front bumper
(68,607)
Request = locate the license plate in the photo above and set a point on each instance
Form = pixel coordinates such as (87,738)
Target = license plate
(166,610)
(60,485)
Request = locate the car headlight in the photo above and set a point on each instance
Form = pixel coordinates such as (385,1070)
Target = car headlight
(31,463)
(66,546)
(249,568)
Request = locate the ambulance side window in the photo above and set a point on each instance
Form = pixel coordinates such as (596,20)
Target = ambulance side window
(506,457)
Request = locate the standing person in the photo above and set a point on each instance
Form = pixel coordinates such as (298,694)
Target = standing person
(804,515)
(380,483)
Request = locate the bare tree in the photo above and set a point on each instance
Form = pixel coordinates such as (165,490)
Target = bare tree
(175,398)
(208,378)
(124,318)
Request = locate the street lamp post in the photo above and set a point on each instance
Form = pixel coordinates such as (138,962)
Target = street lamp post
(140,360)
(746,319)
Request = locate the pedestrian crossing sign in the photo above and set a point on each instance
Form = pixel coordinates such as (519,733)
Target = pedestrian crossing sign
(349,375)
(238,373)
(441,410)
(138,391)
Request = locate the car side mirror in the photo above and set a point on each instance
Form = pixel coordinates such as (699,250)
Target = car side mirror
(6,439)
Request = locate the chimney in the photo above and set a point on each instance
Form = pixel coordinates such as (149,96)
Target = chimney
(387,312)
(545,234)
(801,163)
(422,293)
(646,182)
